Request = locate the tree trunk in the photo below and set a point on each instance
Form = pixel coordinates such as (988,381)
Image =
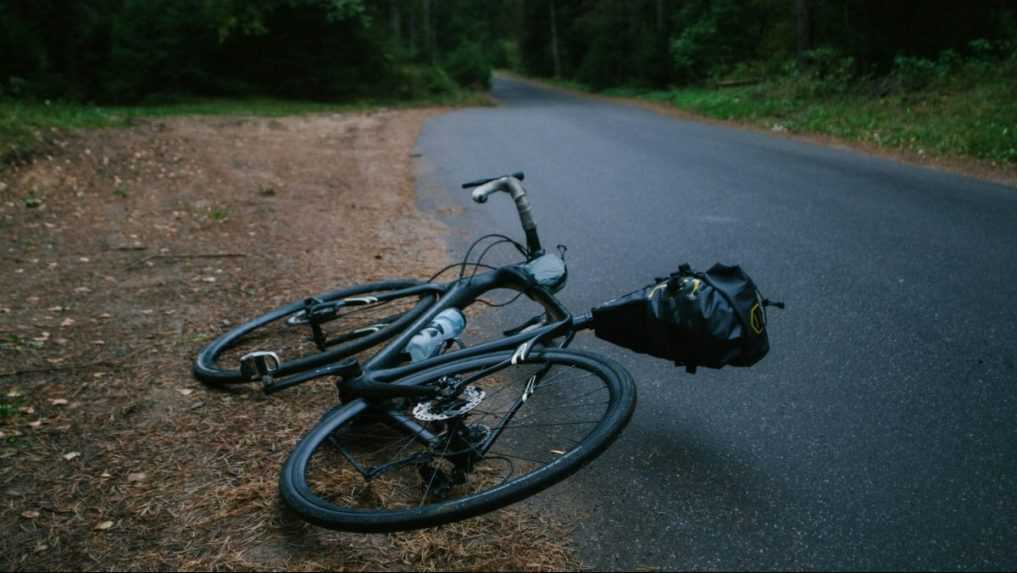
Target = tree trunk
(554,42)
(429,39)
(411,30)
(803,18)
(397,31)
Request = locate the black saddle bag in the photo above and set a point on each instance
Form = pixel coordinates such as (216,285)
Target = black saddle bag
(711,319)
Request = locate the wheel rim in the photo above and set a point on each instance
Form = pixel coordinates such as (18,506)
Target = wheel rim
(341,478)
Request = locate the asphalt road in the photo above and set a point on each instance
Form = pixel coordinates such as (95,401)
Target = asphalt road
(880,432)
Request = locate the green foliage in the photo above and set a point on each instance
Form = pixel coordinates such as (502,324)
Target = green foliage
(130,51)
(954,117)
(469,66)
(715,35)
(659,43)
(414,82)
(691,51)
(824,72)
(506,56)
(918,73)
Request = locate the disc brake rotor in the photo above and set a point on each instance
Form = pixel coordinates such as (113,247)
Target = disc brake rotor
(445,408)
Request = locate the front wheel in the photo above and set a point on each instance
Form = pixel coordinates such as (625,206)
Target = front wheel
(509,431)
(317,331)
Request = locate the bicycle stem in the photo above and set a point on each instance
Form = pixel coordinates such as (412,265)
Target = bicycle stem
(525,217)
(513,187)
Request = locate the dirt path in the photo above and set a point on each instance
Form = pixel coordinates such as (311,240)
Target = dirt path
(124,252)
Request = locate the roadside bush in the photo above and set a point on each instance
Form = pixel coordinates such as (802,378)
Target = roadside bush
(825,72)
(505,54)
(416,82)
(469,66)
(691,50)
(917,73)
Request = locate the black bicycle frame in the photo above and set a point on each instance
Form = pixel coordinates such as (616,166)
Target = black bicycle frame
(374,378)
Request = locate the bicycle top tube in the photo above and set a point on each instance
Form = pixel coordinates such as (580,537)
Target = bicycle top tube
(461,294)
(386,365)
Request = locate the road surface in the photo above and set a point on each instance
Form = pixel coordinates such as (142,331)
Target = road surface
(880,432)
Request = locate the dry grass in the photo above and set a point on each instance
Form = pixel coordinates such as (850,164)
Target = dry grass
(113,457)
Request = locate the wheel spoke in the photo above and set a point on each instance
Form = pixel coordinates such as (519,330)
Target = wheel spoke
(485,452)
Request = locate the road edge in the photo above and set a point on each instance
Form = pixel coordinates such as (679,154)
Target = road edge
(959,166)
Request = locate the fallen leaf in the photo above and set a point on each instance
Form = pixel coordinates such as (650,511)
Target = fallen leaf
(84,259)
(55,308)
(105,315)
(104,526)
(105,475)
(185,391)
(139,476)
(58,402)
(30,514)
(70,456)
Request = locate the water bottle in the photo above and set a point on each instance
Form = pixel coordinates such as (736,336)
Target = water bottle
(428,342)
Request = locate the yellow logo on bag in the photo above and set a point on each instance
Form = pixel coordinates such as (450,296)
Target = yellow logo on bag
(756,318)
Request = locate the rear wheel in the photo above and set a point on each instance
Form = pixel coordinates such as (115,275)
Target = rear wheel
(316,331)
(509,432)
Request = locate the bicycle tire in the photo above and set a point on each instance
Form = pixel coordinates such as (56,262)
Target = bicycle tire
(207,367)
(303,487)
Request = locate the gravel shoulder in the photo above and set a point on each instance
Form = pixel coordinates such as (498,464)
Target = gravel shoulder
(125,251)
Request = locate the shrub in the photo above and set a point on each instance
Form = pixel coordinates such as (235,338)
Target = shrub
(468,66)
(690,52)
(916,73)
(415,82)
(825,72)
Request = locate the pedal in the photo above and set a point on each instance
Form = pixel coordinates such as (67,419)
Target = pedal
(259,365)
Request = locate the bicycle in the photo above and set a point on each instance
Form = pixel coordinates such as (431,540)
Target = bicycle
(418,443)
